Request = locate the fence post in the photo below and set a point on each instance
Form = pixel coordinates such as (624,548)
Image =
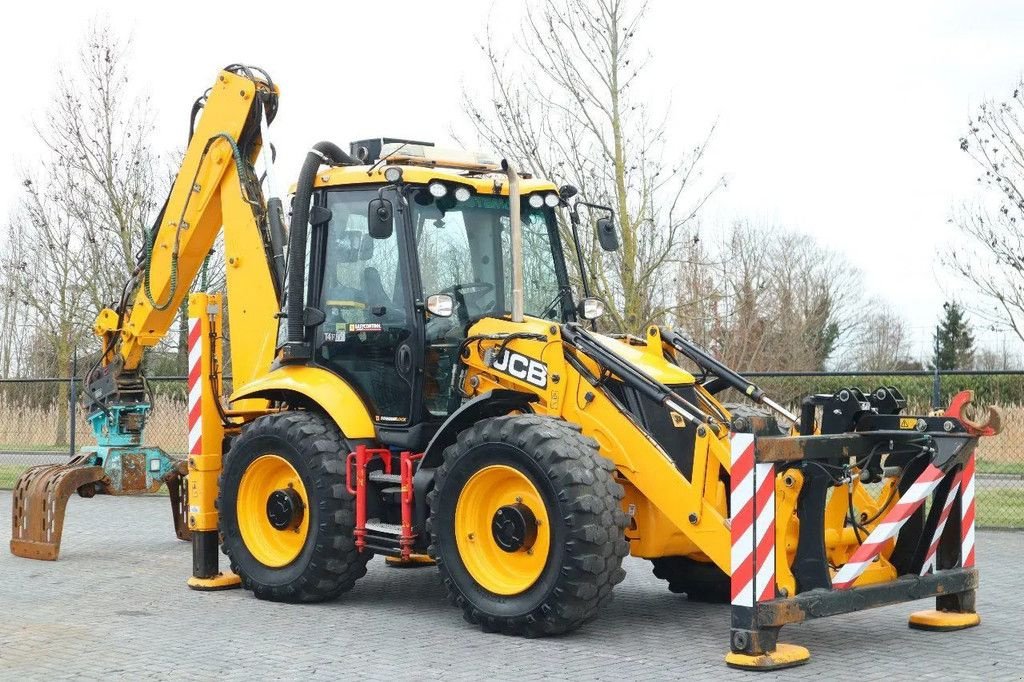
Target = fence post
(72,402)
(936,389)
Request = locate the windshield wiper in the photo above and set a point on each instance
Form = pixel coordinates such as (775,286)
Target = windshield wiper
(551,307)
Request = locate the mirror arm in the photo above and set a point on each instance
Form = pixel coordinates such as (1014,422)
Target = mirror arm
(574,220)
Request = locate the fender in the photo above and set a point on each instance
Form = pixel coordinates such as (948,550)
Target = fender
(490,404)
(323,388)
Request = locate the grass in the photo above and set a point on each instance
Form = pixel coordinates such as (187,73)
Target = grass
(986,466)
(1000,508)
(9,474)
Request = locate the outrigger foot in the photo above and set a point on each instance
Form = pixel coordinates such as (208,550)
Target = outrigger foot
(782,656)
(221,581)
(943,621)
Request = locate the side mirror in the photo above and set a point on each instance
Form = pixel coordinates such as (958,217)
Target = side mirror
(567,191)
(606,234)
(440,305)
(590,308)
(380,217)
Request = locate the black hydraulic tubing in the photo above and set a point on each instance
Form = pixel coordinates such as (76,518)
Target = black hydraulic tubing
(275,218)
(634,377)
(321,153)
(705,361)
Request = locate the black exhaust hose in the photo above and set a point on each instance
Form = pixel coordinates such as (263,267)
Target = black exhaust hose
(321,153)
(275,218)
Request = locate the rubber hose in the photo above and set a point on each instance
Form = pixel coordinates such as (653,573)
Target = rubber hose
(322,152)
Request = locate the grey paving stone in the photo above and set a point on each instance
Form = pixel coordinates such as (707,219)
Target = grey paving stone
(116,605)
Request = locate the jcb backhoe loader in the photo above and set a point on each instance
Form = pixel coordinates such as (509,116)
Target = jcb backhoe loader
(412,378)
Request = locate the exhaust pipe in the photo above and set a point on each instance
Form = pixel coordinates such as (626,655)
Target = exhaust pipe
(321,153)
(517,240)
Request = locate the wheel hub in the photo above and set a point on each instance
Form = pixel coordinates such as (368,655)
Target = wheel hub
(514,527)
(285,509)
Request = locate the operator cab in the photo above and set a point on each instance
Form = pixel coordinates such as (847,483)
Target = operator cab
(449,243)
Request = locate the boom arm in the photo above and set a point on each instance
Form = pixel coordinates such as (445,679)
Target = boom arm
(216,186)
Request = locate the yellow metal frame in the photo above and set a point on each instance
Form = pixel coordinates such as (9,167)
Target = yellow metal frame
(671,515)
(329,391)
(204,469)
(205,197)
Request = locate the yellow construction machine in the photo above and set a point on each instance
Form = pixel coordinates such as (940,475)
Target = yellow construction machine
(413,377)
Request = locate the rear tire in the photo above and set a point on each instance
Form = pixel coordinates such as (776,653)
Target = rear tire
(326,562)
(563,474)
(699,581)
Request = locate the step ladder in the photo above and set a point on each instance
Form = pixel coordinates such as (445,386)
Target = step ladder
(393,539)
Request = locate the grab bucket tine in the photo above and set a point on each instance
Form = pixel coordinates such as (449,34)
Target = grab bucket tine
(40,499)
(177,491)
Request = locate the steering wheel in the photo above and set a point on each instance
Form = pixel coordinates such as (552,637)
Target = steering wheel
(459,291)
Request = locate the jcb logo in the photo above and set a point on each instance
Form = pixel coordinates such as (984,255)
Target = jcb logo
(522,367)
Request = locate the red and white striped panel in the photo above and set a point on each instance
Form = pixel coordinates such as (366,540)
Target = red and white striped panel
(930,559)
(195,387)
(889,527)
(967,515)
(752,525)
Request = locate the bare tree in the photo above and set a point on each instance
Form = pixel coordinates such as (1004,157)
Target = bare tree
(994,260)
(764,298)
(562,104)
(85,203)
(881,342)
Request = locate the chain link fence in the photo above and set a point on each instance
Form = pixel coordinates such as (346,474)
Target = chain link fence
(40,423)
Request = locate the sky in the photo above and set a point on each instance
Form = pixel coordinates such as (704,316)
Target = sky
(837,120)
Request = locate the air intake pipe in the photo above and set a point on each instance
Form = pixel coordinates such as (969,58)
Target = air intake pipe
(321,153)
(516,235)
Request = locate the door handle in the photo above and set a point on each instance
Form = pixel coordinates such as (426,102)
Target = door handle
(404,358)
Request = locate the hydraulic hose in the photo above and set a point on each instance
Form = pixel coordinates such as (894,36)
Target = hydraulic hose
(321,153)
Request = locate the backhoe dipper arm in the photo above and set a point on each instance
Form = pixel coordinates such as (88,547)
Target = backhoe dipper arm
(216,186)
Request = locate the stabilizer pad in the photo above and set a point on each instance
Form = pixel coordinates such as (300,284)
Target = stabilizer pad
(943,621)
(784,656)
(222,581)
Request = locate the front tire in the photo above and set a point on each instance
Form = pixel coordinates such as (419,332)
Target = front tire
(526,525)
(700,581)
(286,517)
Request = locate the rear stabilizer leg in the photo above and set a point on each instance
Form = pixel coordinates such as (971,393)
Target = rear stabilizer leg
(954,543)
(759,649)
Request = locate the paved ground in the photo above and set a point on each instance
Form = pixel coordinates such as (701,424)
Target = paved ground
(116,604)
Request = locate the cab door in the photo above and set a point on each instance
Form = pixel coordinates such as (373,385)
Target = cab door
(368,330)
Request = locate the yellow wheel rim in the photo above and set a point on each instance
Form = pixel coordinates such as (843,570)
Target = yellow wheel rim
(269,545)
(496,569)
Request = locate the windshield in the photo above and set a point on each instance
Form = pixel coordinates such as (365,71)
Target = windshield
(465,250)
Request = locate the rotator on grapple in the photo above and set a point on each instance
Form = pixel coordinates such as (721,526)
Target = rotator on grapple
(412,378)
(119,464)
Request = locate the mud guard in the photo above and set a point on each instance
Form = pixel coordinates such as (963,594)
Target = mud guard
(490,404)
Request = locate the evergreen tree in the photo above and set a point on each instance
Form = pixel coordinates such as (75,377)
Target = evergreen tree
(954,342)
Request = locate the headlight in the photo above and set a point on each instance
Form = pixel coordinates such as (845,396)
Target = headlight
(551,199)
(462,194)
(536,200)
(437,190)
(392,174)
(591,308)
